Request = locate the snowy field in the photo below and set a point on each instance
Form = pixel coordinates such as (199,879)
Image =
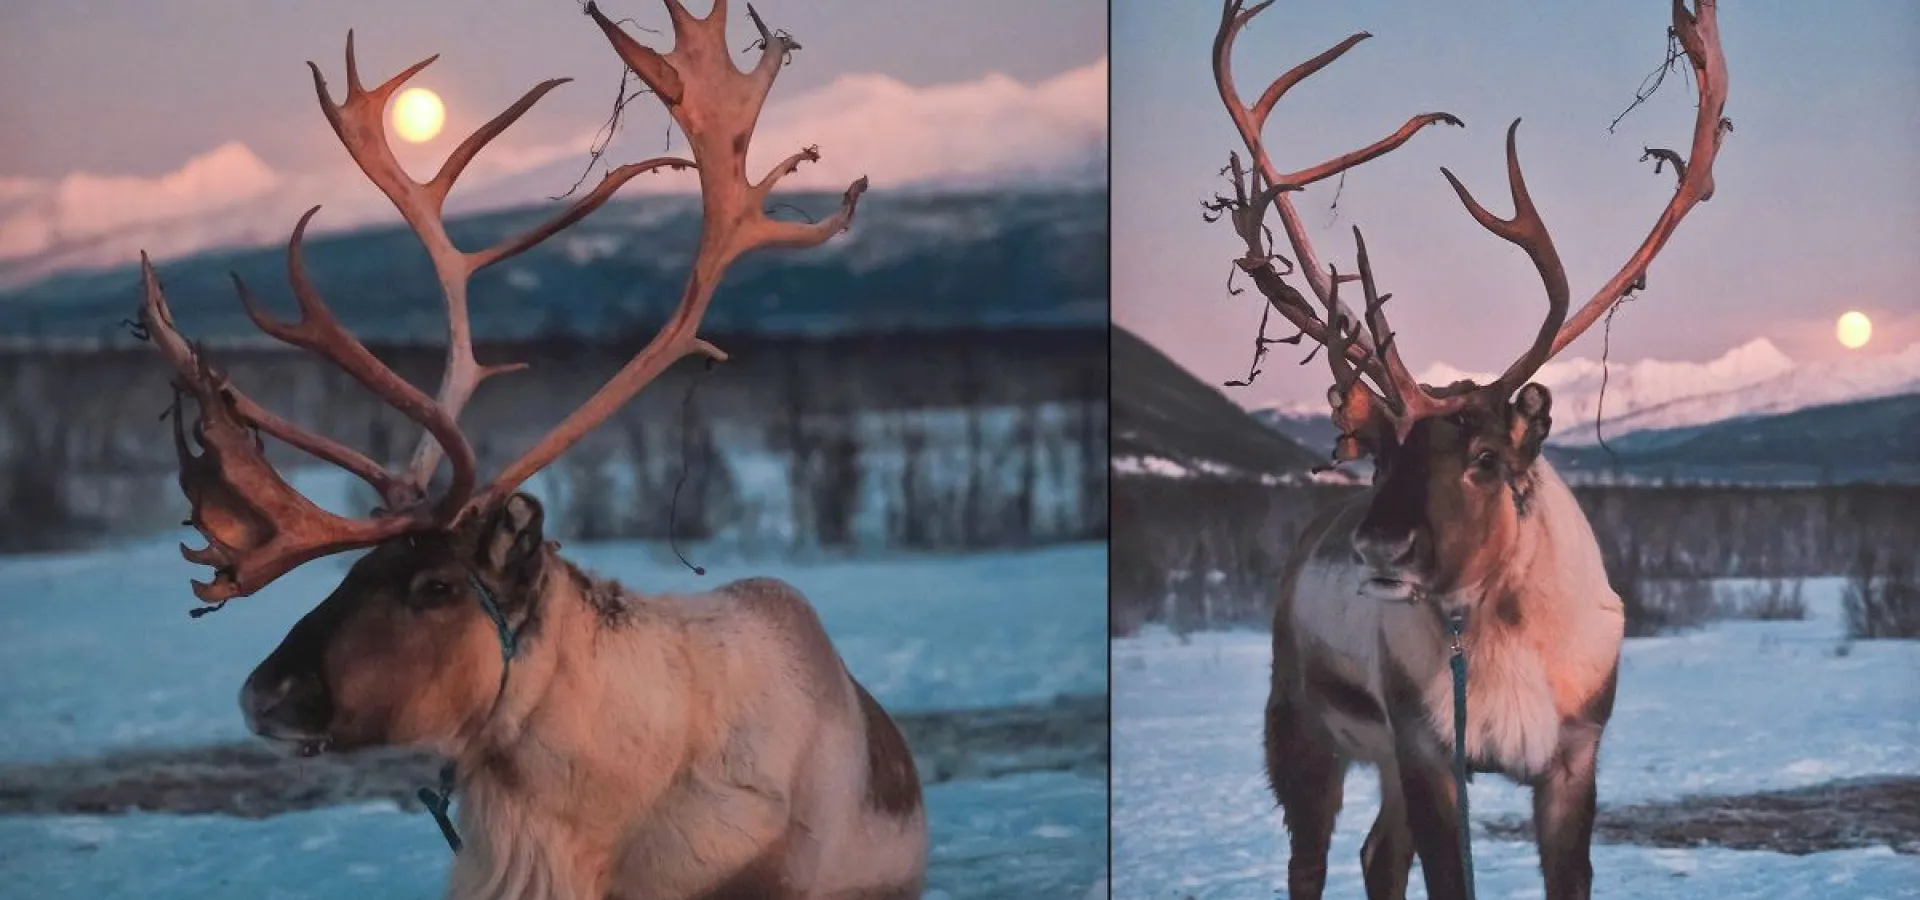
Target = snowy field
(1733,708)
(1041,835)
(97,653)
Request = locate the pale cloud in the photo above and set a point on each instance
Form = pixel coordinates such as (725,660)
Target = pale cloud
(41,214)
(993,130)
(226,175)
(901,136)
(12,189)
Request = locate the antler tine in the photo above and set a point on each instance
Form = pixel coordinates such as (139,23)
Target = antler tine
(320,332)
(257,526)
(1340,334)
(1526,231)
(1372,151)
(1699,35)
(358,120)
(1248,208)
(1353,364)
(156,317)
(1233,18)
(716,105)
(609,183)
(1251,123)
(1354,404)
(1402,391)
(456,162)
(1263,107)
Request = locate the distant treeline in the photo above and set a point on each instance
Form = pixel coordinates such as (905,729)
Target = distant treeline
(1209,551)
(952,439)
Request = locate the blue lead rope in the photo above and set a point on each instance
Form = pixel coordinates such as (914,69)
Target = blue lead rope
(438,802)
(1456,623)
(441,801)
(509,642)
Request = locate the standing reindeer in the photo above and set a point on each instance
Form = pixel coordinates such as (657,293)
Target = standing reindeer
(645,746)
(1466,523)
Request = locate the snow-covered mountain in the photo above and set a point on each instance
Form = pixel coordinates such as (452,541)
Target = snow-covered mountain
(226,197)
(990,132)
(1800,387)
(1753,379)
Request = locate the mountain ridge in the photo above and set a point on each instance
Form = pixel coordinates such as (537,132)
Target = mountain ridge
(1870,440)
(1164,416)
(911,261)
(1753,379)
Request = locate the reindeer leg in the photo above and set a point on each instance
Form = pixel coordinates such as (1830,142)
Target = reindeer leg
(1426,786)
(1563,809)
(1308,779)
(1426,791)
(1387,856)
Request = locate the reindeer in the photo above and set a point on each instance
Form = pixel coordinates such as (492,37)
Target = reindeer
(1467,541)
(608,743)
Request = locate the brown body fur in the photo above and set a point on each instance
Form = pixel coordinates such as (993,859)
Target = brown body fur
(670,746)
(1365,678)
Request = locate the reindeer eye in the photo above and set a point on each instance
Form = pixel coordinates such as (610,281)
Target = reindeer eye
(1486,461)
(433,590)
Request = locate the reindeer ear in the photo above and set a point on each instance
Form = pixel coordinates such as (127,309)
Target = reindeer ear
(1364,427)
(513,537)
(1530,421)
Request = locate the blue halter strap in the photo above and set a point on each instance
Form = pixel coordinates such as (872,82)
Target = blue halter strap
(440,802)
(1456,625)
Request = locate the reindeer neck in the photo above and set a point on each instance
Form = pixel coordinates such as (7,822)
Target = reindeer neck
(1513,571)
(606,690)
(1550,579)
(542,789)
(1543,538)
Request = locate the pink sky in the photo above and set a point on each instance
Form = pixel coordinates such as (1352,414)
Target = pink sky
(1817,210)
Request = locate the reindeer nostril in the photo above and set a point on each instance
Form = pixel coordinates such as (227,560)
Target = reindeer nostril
(286,701)
(1375,547)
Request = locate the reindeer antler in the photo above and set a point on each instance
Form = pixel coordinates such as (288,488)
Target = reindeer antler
(359,121)
(1352,354)
(716,105)
(1357,357)
(1699,35)
(257,526)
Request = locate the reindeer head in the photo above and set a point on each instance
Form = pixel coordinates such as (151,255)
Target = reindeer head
(1453,466)
(406,648)
(1449,498)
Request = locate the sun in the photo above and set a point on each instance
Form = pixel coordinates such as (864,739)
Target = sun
(1855,329)
(418,115)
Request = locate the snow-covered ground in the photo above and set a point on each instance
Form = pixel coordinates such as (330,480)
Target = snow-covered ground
(1038,835)
(1733,708)
(97,652)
